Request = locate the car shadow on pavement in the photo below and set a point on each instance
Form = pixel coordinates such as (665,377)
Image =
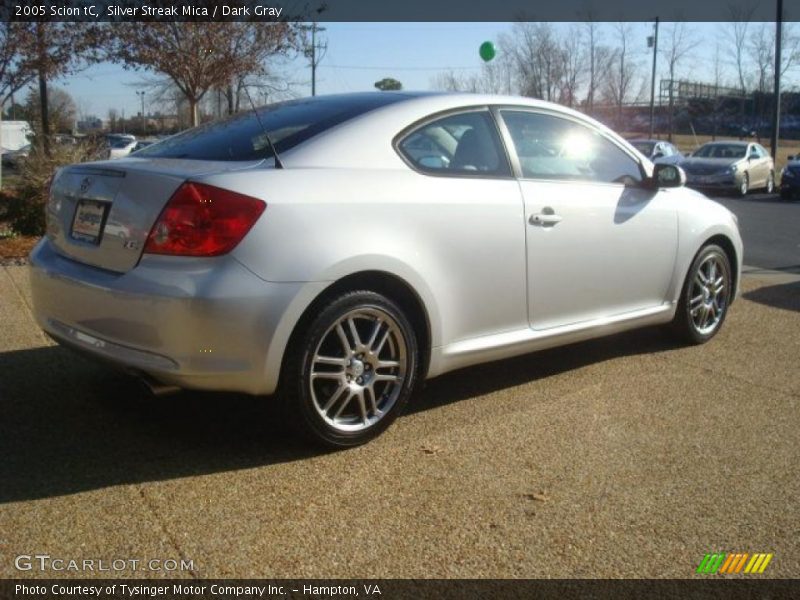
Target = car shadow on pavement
(69,425)
(491,377)
(784,295)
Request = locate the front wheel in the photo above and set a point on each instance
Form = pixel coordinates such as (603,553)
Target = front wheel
(705,296)
(352,370)
(744,186)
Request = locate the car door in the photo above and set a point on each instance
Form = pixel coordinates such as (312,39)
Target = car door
(756,166)
(464,214)
(598,243)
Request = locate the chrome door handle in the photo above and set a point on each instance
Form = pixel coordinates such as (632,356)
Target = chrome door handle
(544,219)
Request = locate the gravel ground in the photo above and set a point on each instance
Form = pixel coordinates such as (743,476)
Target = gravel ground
(623,457)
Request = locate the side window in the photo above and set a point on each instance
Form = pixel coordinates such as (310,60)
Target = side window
(550,147)
(461,144)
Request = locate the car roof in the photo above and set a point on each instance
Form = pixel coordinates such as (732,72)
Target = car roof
(369,138)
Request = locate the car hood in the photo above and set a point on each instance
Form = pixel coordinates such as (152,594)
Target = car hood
(709,163)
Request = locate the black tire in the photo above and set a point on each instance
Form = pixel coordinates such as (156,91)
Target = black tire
(744,187)
(786,195)
(358,383)
(694,302)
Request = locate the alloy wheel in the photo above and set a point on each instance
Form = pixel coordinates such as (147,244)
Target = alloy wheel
(358,369)
(708,300)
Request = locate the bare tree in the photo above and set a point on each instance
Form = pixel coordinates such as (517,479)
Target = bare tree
(198,57)
(592,43)
(761,50)
(573,66)
(622,70)
(678,41)
(741,15)
(61,109)
(790,47)
(534,52)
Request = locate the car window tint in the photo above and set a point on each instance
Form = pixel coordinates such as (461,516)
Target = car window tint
(241,137)
(460,144)
(721,150)
(550,147)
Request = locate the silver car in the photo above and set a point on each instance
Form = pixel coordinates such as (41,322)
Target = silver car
(395,236)
(658,151)
(737,167)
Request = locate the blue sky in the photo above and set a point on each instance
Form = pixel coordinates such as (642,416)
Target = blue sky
(361,53)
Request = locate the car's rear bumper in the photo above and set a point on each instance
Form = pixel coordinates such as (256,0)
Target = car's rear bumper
(197,323)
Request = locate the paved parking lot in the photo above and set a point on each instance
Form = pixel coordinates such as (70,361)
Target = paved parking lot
(623,457)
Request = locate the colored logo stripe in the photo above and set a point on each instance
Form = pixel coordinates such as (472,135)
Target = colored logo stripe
(711,562)
(735,562)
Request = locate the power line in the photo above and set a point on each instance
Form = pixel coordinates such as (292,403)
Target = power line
(398,68)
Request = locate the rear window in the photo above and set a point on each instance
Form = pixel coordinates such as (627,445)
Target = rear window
(241,137)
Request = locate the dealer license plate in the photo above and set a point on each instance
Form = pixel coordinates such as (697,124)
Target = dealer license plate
(88,222)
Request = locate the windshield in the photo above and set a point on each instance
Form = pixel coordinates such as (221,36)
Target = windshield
(645,148)
(241,137)
(722,151)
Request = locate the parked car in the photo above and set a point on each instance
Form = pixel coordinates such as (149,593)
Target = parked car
(790,179)
(120,145)
(141,144)
(14,158)
(730,166)
(350,266)
(658,151)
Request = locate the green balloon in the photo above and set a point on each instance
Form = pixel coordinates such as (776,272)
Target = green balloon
(487,51)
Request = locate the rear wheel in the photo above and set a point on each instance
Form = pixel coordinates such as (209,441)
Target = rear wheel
(352,371)
(705,296)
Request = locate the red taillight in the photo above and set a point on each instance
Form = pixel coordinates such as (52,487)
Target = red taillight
(202,220)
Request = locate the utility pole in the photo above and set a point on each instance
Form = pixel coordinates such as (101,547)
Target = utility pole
(776,112)
(144,123)
(653,41)
(315,52)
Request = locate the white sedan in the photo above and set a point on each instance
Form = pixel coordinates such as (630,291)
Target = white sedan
(339,249)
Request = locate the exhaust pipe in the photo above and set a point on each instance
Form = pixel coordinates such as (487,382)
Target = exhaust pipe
(156,388)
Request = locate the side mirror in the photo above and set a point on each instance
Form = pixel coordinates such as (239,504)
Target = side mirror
(668,176)
(657,155)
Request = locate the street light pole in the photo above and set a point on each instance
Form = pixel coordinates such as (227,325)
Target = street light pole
(776,108)
(144,124)
(653,79)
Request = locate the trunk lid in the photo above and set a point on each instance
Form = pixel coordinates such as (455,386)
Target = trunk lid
(101,213)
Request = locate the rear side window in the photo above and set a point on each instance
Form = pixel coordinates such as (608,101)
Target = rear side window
(288,124)
(460,144)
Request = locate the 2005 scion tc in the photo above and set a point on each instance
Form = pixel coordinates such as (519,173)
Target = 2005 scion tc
(338,249)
